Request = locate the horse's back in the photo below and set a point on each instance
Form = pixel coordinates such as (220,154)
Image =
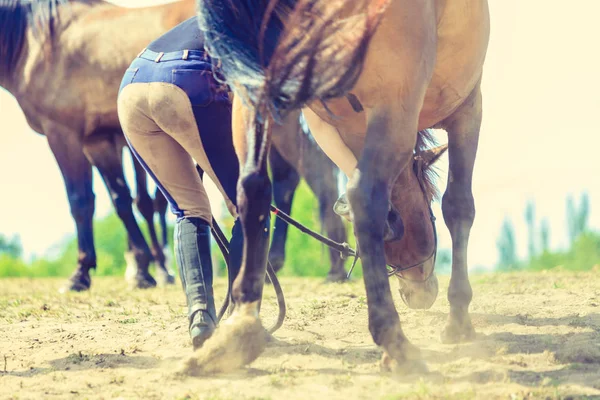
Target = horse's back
(462,39)
(96,48)
(456,32)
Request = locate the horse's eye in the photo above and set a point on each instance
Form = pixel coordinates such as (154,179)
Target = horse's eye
(416,166)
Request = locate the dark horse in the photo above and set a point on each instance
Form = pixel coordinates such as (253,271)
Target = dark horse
(368,75)
(63,63)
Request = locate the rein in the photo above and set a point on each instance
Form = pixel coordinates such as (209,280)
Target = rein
(346,251)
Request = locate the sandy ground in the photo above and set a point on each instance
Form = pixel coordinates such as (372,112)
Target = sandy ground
(538,337)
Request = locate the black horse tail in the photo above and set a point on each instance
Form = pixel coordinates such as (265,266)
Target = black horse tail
(279,55)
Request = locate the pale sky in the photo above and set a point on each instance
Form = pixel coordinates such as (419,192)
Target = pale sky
(539,138)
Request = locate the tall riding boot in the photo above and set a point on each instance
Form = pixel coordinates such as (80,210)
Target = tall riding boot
(192,245)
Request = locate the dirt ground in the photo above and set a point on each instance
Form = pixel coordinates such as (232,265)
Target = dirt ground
(538,337)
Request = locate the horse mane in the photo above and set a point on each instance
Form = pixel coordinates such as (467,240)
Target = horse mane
(429,173)
(42,16)
(320,54)
(13,28)
(279,55)
(242,37)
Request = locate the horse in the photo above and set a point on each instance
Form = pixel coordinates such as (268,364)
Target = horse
(370,77)
(79,45)
(63,64)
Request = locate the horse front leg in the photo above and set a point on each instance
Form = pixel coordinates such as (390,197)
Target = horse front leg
(386,154)
(241,338)
(458,208)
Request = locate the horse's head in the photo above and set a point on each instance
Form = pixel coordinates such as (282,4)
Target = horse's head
(410,237)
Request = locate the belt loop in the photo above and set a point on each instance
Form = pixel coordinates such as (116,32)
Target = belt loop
(159,56)
(141,52)
(186,53)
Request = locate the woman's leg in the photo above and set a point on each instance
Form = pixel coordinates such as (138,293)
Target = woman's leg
(175,174)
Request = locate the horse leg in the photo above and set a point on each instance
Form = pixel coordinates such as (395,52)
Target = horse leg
(285,182)
(385,155)
(160,207)
(77,174)
(458,208)
(241,338)
(321,176)
(101,151)
(144,204)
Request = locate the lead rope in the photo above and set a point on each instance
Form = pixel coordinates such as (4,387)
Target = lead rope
(346,251)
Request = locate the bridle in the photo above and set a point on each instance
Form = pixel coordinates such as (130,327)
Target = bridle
(396,270)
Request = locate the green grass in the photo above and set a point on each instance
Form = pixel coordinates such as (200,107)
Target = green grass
(304,255)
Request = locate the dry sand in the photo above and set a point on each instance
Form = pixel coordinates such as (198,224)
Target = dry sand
(538,337)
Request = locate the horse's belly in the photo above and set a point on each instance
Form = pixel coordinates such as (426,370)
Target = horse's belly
(463,35)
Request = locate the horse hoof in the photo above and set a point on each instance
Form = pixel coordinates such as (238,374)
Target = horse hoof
(336,277)
(79,282)
(456,332)
(407,359)
(144,281)
(164,277)
(236,343)
(404,367)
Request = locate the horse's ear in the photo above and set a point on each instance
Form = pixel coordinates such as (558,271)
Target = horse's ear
(342,207)
(430,156)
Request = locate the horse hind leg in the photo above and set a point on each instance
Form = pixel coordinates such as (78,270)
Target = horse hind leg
(160,208)
(102,152)
(458,208)
(145,205)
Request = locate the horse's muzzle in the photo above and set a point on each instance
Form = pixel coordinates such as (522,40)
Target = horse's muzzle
(419,295)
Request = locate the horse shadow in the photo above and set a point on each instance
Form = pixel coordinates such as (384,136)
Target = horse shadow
(591,321)
(81,361)
(576,355)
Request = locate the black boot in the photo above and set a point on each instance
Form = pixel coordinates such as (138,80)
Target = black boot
(192,245)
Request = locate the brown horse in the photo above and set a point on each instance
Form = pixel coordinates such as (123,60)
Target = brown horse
(64,63)
(80,45)
(403,66)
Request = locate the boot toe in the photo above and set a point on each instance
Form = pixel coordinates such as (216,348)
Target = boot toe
(201,328)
